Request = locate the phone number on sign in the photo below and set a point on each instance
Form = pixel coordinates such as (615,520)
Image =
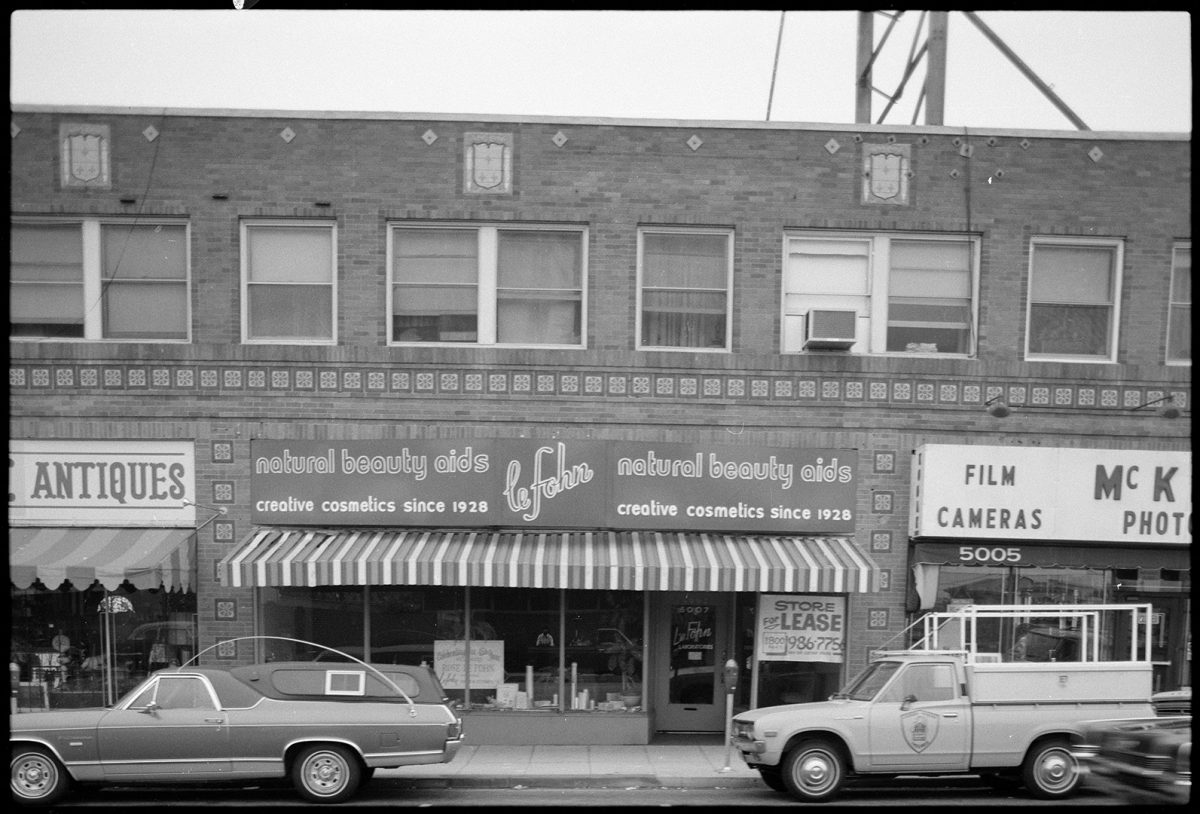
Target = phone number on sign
(825,644)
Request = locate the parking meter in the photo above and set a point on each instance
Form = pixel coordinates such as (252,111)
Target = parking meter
(731,675)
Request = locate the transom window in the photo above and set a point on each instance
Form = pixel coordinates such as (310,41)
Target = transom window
(880,293)
(99,280)
(487,285)
(683,295)
(1073,299)
(289,282)
(1179,320)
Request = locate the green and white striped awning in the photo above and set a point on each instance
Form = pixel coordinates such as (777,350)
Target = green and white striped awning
(602,560)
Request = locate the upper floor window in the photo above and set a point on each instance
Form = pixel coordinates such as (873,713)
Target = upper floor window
(880,293)
(1073,299)
(683,293)
(487,285)
(98,280)
(1179,318)
(289,282)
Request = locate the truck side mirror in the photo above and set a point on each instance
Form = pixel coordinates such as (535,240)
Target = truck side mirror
(908,701)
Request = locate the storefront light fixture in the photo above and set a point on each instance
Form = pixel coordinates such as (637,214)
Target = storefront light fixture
(1167,410)
(997,407)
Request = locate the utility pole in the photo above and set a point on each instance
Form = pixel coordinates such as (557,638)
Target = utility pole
(866,46)
(935,71)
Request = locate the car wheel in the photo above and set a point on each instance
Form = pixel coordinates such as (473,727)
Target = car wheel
(326,774)
(1050,770)
(37,776)
(813,771)
(773,777)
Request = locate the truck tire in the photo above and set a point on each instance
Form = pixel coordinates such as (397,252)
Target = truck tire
(773,777)
(37,778)
(1050,770)
(813,771)
(326,774)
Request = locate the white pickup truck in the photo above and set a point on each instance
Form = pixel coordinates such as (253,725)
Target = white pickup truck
(943,707)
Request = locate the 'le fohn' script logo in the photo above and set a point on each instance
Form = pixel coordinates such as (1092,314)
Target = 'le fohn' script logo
(548,482)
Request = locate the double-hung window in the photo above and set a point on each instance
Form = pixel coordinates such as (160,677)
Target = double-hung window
(1179,316)
(99,280)
(880,293)
(487,284)
(683,293)
(289,282)
(1073,307)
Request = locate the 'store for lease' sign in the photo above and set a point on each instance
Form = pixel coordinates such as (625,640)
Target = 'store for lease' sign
(801,628)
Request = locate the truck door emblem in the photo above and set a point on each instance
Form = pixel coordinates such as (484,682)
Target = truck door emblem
(920,729)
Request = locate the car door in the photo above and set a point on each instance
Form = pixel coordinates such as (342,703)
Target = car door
(173,727)
(920,721)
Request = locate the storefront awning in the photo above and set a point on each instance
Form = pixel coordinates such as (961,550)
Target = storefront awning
(148,558)
(613,560)
(1096,557)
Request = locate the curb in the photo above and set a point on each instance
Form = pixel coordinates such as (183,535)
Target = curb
(563,781)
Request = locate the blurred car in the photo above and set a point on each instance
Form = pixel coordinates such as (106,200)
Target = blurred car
(1140,760)
(1173,702)
(327,727)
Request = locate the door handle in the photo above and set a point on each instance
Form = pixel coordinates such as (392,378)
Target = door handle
(214,720)
(949,714)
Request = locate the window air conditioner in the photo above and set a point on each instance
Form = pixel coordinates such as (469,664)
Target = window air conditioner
(830,330)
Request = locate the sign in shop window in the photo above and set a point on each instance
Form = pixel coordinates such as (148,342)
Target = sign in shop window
(487,663)
(801,628)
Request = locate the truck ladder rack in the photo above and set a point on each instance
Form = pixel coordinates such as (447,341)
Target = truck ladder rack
(957,632)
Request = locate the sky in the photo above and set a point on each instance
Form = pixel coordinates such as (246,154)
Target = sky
(1117,71)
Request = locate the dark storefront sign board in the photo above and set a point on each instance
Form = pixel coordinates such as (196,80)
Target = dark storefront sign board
(518,483)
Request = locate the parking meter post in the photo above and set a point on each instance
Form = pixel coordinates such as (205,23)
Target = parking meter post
(730,676)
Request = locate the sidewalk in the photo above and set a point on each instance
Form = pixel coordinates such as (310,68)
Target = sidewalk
(696,765)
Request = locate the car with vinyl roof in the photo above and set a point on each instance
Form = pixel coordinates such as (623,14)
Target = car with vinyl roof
(325,726)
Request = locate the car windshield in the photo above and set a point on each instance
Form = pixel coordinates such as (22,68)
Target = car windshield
(869,682)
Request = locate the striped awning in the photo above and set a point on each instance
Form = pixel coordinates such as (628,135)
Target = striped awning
(148,558)
(612,560)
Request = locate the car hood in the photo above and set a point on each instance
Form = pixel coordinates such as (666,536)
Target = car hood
(57,719)
(820,709)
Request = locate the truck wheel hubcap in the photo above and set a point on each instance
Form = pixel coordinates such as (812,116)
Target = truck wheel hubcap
(814,771)
(1056,770)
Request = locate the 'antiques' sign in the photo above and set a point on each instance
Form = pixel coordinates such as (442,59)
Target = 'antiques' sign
(1038,493)
(553,484)
(97,483)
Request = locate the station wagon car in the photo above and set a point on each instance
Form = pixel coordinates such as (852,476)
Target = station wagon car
(327,727)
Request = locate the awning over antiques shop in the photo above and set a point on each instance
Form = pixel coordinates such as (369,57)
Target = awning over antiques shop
(148,558)
(613,560)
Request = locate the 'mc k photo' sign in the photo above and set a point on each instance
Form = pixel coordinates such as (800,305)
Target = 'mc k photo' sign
(1034,493)
(553,484)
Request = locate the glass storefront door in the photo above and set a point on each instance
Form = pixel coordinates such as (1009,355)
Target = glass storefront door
(691,648)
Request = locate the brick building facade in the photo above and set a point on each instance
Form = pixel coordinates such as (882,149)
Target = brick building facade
(631,285)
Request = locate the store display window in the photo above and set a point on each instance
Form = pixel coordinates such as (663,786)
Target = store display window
(529,649)
(79,648)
